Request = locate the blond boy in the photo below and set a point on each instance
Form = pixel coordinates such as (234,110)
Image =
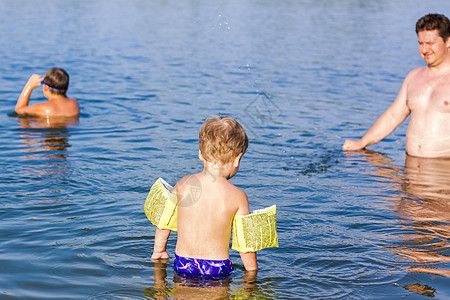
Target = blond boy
(54,87)
(205,217)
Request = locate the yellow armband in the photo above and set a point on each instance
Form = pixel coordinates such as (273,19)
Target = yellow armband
(161,205)
(255,231)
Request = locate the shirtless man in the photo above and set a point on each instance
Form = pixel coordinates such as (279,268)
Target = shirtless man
(425,94)
(55,85)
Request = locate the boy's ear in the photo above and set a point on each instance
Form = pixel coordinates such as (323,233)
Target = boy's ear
(237,160)
(200,156)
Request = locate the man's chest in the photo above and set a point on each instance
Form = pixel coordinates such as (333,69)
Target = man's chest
(428,96)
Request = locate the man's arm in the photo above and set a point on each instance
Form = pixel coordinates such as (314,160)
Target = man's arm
(22,106)
(385,124)
(159,248)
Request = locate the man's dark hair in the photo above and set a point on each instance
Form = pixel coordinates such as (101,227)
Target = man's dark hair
(434,22)
(58,79)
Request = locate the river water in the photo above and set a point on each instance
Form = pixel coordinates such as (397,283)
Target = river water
(301,76)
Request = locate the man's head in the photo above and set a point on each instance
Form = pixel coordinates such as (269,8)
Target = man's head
(222,139)
(57,80)
(434,22)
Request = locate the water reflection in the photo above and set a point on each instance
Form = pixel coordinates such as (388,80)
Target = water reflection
(53,136)
(183,288)
(421,201)
(46,141)
(428,180)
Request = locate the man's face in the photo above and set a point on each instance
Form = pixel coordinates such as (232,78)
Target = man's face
(432,47)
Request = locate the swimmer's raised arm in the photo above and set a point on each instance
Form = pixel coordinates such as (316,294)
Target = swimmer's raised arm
(385,124)
(22,103)
(159,248)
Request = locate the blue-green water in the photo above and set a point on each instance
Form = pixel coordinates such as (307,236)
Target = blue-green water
(301,76)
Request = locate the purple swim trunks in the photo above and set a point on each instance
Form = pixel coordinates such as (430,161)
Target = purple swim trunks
(204,268)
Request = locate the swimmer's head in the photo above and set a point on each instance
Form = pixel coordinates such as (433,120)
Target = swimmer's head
(434,22)
(57,80)
(222,139)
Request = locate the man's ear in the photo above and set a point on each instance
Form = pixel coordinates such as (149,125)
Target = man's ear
(237,160)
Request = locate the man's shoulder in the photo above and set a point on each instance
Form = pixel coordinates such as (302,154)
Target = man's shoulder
(415,74)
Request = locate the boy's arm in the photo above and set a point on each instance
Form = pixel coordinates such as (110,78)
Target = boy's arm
(22,103)
(248,258)
(159,248)
(161,237)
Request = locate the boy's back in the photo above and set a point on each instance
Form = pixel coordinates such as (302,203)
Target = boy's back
(206,207)
(56,107)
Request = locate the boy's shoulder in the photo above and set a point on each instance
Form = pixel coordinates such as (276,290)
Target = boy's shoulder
(188,179)
(236,190)
(187,184)
(67,106)
(36,109)
(234,194)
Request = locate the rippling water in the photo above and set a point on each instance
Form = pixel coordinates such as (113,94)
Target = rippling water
(301,76)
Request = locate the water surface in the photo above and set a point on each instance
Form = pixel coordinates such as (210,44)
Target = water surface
(301,76)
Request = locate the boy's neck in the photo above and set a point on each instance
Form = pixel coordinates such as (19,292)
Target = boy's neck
(55,98)
(215,175)
(216,170)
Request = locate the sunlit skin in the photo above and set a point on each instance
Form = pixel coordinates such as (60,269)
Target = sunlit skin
(56,106)
(204,223)
(425,95)
(432,48)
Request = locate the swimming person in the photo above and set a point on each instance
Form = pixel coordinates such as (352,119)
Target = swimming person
(207,203)
(425,94)
(54,87)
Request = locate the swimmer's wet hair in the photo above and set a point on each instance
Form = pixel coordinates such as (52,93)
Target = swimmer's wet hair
(222,139)
(59,79)
(434,22)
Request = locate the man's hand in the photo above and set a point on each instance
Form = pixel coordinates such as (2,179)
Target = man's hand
(351,145)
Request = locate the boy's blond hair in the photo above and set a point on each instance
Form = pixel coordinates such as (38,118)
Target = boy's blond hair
(222,139)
